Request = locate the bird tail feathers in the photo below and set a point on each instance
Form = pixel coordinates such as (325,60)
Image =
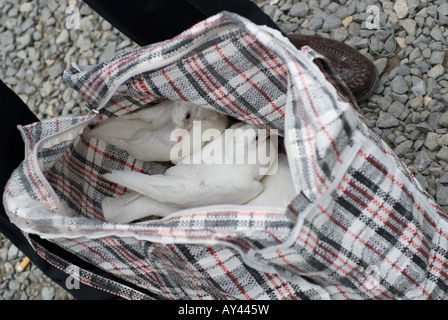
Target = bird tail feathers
(133,206)
(154,186)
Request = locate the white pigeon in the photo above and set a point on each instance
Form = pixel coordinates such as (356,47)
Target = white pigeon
(151,134)
(278,187)
(278,191)
(133,206)
(125,126)
(227,170)
(190,122)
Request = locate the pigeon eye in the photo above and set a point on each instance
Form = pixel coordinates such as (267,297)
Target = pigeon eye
(188,115)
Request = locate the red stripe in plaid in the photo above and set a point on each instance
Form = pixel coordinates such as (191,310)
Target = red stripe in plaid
(271,235)
(439,210)
(61,267)
(373,250)
(106,155)
(352,271)
(145,100)
(179,271)
(228,274)
(215,87)
(384,171)
(140,84)
(283,285)
(282,257)
(104,259)
(76,196)
(440,232)
(311,152)
(316,114)
(91,175)
(342,292)
(43,253)
(389,213)
(29,169)
(173,86)
(136,262)
(277,65)
(119,106)
(241,242)
(194,271)
(28,132)
(441,270)
(246,78)
(57,124)
(108,73)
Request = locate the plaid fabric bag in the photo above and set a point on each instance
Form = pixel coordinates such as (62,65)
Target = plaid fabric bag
(361,227)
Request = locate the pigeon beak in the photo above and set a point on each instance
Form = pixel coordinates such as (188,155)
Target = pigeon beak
(179,134)
(186,124)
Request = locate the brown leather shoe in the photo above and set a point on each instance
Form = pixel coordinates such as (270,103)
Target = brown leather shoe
(358,73)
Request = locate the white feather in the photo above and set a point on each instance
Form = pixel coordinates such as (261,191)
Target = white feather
(133,206)
(216,179)
(278,187)
(150,134)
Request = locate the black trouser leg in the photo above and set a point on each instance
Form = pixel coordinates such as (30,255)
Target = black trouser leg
(151,21)
(14,112)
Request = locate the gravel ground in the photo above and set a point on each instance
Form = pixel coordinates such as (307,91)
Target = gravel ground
(408,108)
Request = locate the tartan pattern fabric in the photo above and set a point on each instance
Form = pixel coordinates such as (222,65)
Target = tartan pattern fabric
(360,227)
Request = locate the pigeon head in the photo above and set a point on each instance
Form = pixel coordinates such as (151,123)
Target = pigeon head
(187,115)
(184,113)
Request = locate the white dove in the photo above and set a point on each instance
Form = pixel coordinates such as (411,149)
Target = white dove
(190,122)
(278,191)
(278,187)
(150,134)
(229,172)
(133,206)
(125,126)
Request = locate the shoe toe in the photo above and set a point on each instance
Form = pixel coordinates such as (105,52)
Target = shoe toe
(357,71)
